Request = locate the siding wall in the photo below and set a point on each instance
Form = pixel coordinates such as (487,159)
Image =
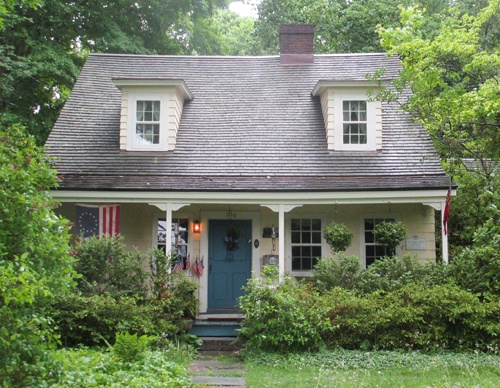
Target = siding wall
(138,225)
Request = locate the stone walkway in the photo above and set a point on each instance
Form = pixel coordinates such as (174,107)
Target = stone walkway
(217,369)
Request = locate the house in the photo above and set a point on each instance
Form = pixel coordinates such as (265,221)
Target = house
(241,161)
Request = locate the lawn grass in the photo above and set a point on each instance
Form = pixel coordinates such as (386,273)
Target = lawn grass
(372,369)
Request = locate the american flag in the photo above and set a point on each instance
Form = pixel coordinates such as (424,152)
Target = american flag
(101,220)
(446,214)
(178,266)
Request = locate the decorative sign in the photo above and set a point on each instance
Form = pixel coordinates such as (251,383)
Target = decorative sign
(415,243)
(256,243)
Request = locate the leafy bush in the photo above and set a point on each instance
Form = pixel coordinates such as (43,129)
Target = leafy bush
(91,368)
(338,236)
(330,272)
(174,290)
(393,273)
(94,320)
(106,267)
(130,347)
(35,264)
(296,317)
(477,268)
(279,318)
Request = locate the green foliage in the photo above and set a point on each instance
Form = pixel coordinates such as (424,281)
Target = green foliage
(330,272)
(174,291)
(396,303)
(92,368)
(278,318)
(112,297)
(34,255)
(106,267)
(130,347)
(43,48)
(338,236)
(453,77)
(95,320)
(390,234)
(478,268)
(393,273)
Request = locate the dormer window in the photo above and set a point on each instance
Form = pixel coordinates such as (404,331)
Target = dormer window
(147,124)
(353,122)
(151,113)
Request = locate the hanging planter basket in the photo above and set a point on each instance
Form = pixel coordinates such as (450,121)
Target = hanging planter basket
(338,236)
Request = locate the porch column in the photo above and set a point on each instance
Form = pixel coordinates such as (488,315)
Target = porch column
(168,208)
(281,210)
(439,206)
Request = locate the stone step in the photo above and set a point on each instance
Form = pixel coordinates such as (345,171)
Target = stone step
(220,344)
(215,328)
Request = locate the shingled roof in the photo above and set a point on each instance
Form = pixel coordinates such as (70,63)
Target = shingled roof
(252,125)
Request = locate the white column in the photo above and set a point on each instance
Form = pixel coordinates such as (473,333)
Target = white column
(281,242)
(281,210)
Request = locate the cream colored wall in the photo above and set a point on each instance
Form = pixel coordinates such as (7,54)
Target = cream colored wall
(138,225)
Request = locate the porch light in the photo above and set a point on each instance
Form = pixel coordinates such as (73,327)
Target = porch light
(196,226)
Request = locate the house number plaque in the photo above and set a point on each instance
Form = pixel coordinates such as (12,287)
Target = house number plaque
(415,243)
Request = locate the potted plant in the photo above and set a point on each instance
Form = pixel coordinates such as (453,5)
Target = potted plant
(389,234)
(338,236)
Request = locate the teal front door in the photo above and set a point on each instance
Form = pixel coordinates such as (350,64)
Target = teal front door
(229,263)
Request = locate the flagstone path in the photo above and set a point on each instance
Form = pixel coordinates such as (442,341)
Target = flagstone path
(217,369)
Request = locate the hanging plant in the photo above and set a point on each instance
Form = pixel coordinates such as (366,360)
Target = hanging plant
(232,238)
(338,236)
(389,234)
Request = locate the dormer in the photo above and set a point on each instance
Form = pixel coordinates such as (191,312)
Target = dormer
(353,121)
(151,111)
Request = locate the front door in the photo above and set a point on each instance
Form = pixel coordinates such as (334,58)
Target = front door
(229,263)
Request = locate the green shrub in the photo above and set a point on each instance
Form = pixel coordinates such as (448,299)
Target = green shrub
(330,272)
(93,368)
(393,273)
(279,318)
(35,262)
(130,347)
(338,236)
(106,267)
(94,320)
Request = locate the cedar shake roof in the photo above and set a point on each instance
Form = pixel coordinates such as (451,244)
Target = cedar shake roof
(252,125)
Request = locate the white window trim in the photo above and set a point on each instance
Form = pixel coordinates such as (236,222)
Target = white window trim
(371,134)
(159,217)
(288,241)
(133,97)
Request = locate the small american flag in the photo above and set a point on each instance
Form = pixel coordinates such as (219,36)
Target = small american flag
(178,266)
(101,220)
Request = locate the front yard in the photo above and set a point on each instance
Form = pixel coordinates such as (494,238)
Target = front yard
(343,368)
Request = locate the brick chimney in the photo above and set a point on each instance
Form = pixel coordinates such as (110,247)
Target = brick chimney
(296,44)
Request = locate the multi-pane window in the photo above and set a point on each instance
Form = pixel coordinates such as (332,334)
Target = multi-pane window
(306,243)
(354,122)
(373,251)
(147,126)
(180,236)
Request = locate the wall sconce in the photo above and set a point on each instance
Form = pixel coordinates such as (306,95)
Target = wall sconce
(196,226)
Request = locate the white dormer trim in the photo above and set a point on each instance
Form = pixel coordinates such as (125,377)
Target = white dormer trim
(171,93)
(332,95)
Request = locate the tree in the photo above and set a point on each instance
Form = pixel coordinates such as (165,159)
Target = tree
(42,49)
(341,26)
(454,76)
(35,260)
